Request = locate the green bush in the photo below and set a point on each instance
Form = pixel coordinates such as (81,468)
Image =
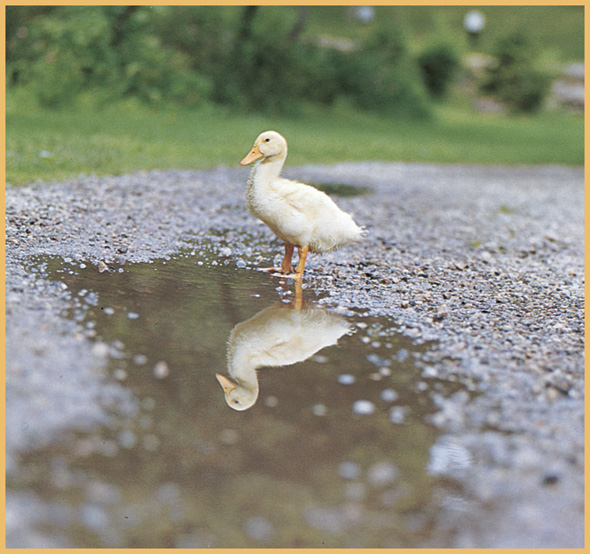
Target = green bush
(248,57)
(515,79)
(438,64)
(381,77)
(265,70)
(63,53)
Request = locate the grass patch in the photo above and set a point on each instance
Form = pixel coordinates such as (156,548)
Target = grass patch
(128,137)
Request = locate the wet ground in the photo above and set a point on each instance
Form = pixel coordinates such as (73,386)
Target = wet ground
(433,395)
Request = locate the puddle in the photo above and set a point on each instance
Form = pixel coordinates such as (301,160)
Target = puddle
(341,189)
(333,451)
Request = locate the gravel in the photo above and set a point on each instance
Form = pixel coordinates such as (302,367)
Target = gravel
(486,261)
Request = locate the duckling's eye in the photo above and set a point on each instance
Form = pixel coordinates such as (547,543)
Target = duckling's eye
(267,140)
(236,401)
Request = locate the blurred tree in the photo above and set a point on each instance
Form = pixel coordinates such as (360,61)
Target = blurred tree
(296,30)
(515,79)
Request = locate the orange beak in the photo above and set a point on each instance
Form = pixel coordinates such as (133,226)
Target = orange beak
(252,156)
(227,384)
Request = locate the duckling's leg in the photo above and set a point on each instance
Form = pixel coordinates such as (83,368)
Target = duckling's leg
(298,275)
(302,257)
(286,265)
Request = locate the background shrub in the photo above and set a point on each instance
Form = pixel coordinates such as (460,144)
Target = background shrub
(515,79)
(438,65)
(381,77)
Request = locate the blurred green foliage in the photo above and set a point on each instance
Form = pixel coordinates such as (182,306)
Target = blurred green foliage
(515,78)
(61,51)
(268,59)
(247,57)
(439,64)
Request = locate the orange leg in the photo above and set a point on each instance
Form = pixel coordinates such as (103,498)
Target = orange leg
(286,265)
(298,275)
(302,257)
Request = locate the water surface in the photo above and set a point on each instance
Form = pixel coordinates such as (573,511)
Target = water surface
(333,453)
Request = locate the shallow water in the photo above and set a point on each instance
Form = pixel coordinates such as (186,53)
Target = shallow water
(334,452)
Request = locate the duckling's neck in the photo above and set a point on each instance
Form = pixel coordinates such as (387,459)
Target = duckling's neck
(265,172)
(244,374)
(240,364)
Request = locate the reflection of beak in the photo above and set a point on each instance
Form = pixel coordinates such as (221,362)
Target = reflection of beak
(227,384)
(255,154)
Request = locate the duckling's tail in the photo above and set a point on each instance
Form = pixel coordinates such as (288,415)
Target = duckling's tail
(346,231)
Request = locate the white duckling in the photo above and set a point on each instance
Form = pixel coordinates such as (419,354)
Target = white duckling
(299,214)
(277,336)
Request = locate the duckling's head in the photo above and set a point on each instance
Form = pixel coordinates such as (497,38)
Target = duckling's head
(268,146)
(237,396)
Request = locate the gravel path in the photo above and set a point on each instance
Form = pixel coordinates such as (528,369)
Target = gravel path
(487,261)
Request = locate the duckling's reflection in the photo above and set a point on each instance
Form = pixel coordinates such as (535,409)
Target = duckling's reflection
(280,335)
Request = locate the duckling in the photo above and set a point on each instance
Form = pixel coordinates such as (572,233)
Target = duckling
(299,214)
(280,335)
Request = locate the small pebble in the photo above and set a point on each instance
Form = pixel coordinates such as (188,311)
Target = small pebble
(140,359)
(382,474)
(161,370)
(363,407)
(349,470)
(346,379)
(127,439)
(100,350)
(378,360)
(271,401)
(402,355)
(319,410)
(259,529)
(389,395)
(120,374)
(397,415)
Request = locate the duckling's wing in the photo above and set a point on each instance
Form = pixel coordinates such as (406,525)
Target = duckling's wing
(304,198)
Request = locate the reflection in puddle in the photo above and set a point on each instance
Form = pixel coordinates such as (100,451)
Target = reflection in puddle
(280,335)
(335,453)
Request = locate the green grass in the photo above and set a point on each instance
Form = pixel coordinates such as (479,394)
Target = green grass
(127,137)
